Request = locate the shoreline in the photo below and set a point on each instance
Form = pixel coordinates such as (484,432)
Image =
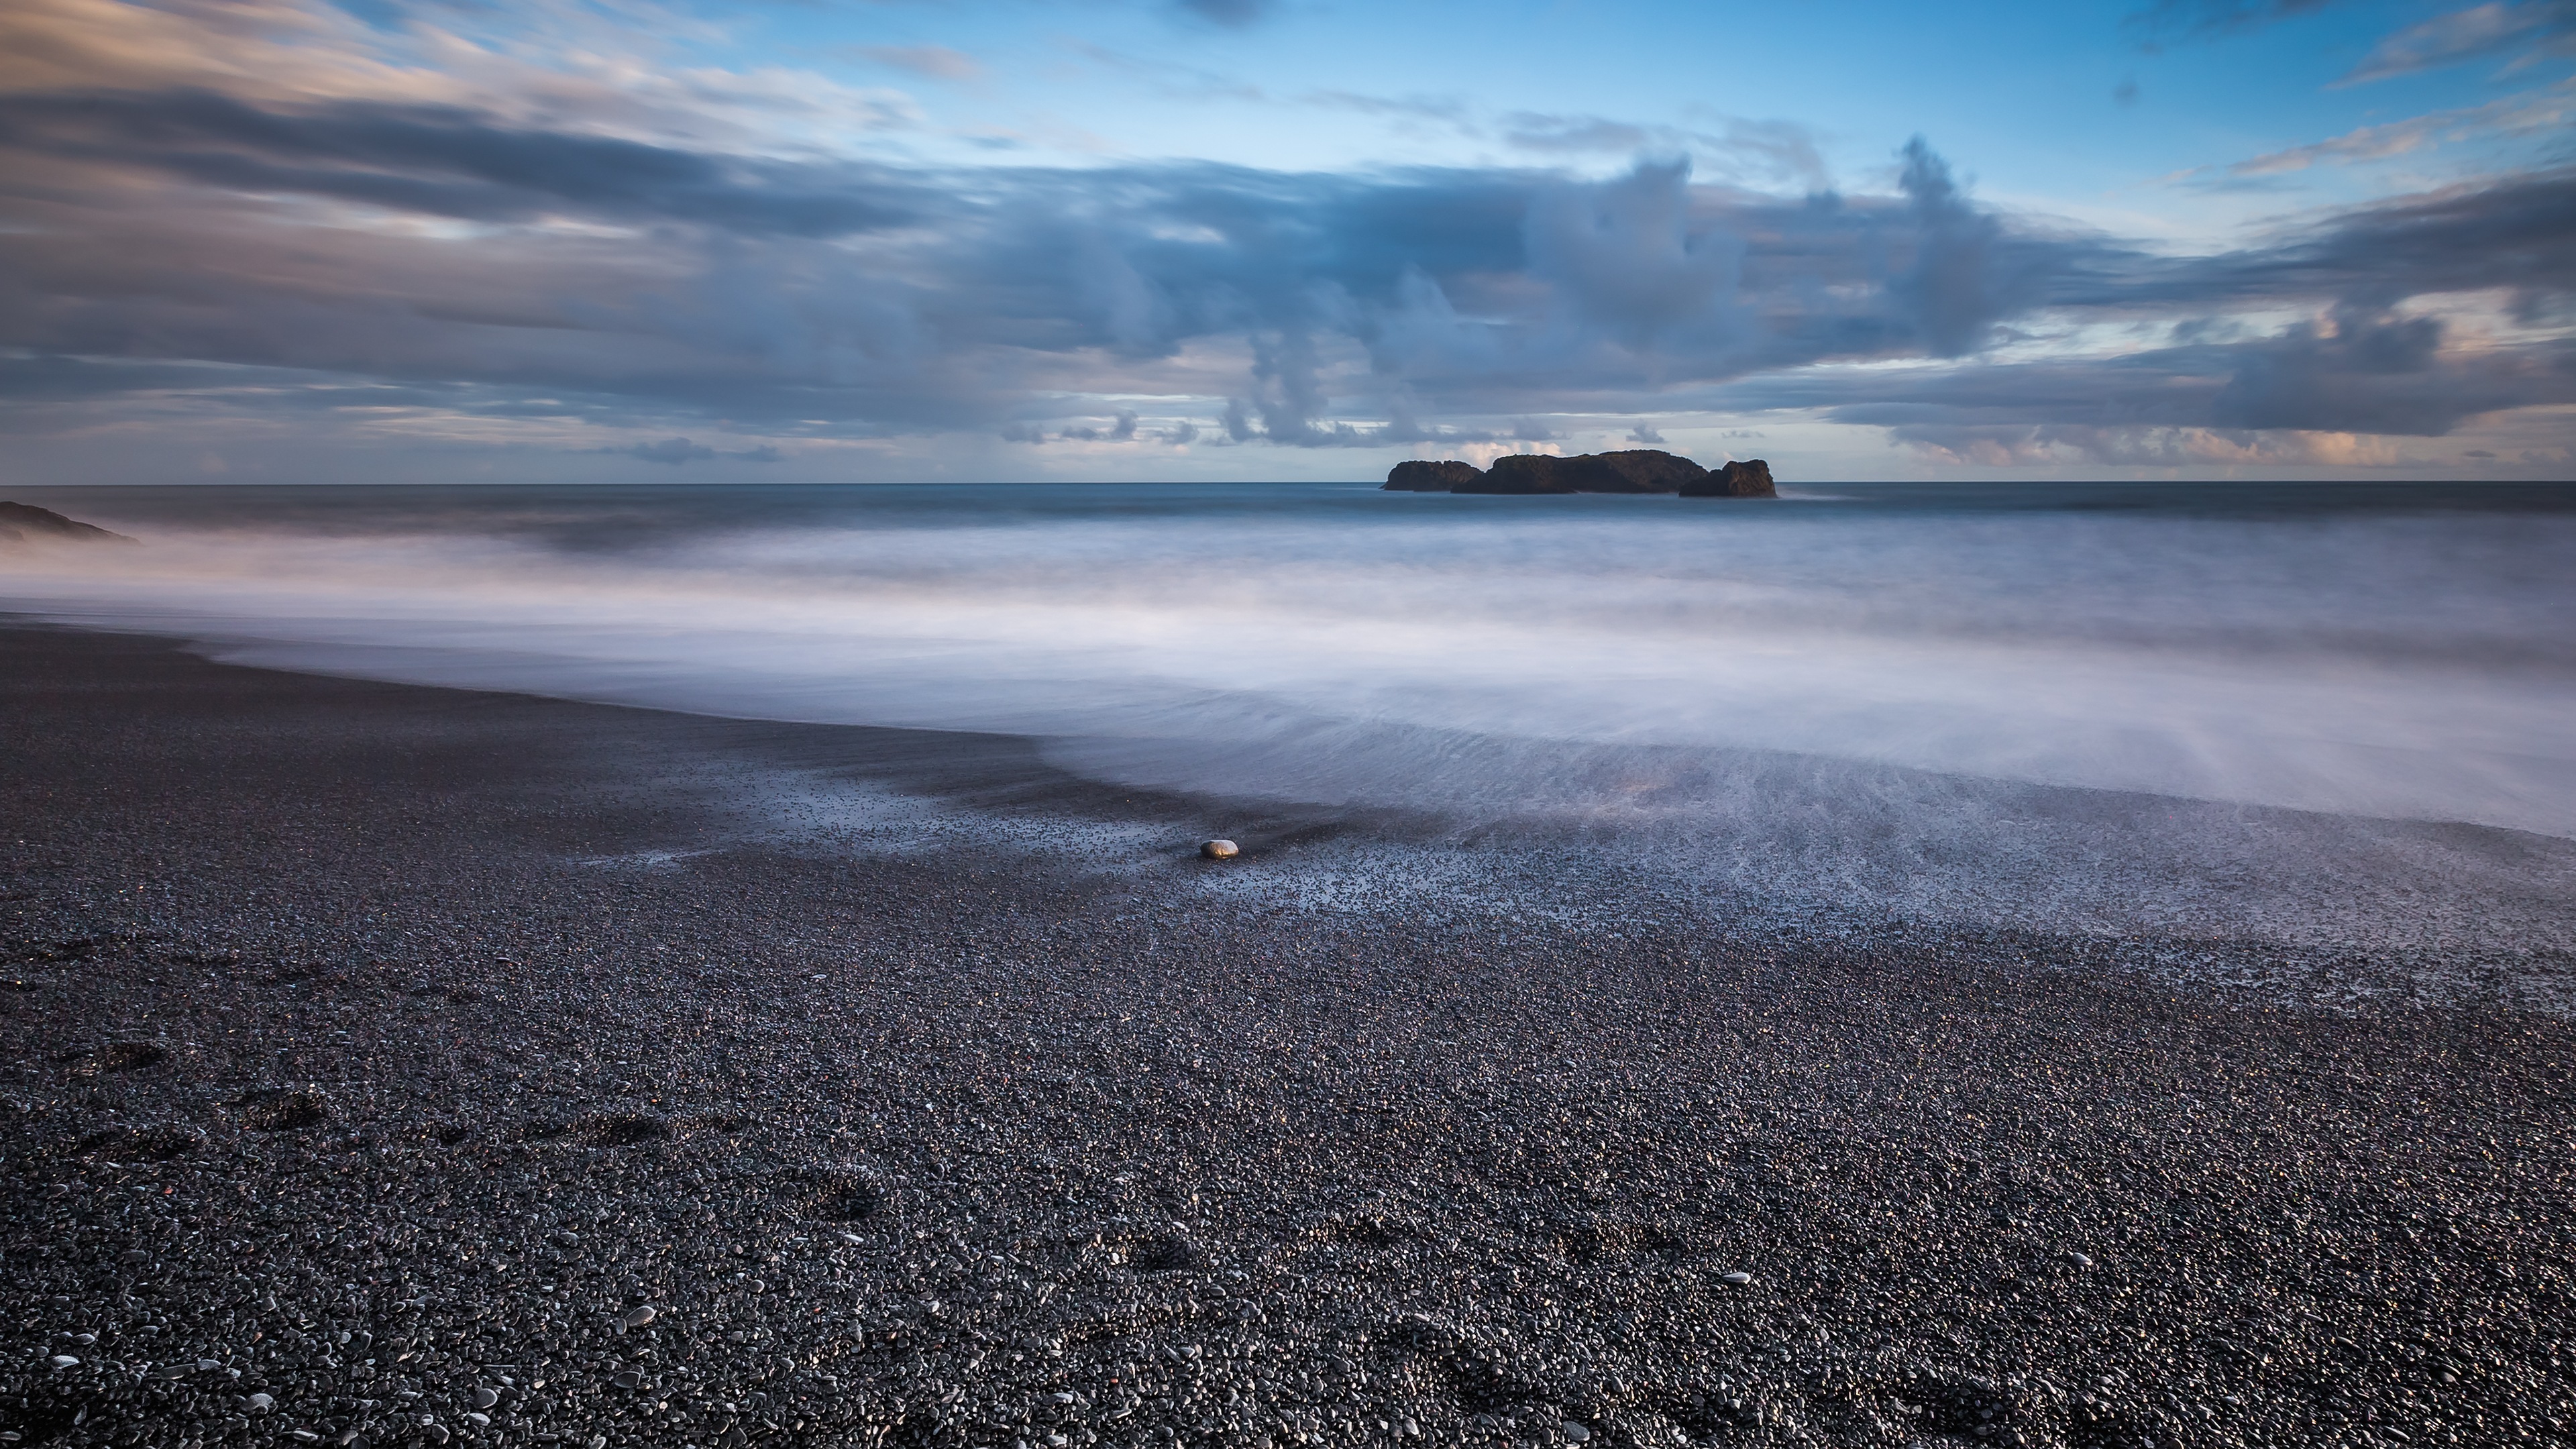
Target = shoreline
(467,1025)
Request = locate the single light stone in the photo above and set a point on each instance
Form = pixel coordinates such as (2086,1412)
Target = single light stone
(1576,1434)
(1738,1279)
(1219,849)
(640,1316)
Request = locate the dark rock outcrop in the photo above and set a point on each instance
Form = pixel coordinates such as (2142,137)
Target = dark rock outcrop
(1630,470)
(1633,470)
(1522,473)
(26,523)
(1446,476)
(1748,479)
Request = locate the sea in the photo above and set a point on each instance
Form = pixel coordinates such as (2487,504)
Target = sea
(2331,716)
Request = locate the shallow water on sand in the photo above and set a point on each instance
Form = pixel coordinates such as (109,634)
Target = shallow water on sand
(2327,711)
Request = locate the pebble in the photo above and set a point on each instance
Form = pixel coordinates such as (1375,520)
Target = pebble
(1576,1433)
(485,1398)
(640,1316)
(1738,1279)
(64,1360)
(1219,849)
(259,1403)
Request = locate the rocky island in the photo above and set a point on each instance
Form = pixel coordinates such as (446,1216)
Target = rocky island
(1633,470)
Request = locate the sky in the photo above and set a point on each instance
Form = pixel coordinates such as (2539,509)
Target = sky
(992,240)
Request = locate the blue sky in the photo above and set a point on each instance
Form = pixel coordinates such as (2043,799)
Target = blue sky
(278,240)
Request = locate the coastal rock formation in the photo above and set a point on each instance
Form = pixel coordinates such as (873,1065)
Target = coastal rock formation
(1521,473)
(1630,470)
(1446,476)
(26,523)
(1634,470)
(1748,479)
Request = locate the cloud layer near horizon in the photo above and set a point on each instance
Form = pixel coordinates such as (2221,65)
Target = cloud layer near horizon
(230,214)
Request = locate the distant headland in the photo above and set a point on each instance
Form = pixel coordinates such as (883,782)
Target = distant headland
(26,523)
(1635,470)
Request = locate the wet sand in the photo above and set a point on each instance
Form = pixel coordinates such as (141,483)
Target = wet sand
(391,1065)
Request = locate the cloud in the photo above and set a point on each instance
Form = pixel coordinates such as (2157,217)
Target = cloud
(2202,19)
(1232,14)
(675,451)
(182,252)
(2521,115)
(441,161)
(935,61)
(1645,433)
(2526,28)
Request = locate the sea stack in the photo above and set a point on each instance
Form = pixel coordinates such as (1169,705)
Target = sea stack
(1446,476)
(1521,473)
(1748,479)
(1630,470)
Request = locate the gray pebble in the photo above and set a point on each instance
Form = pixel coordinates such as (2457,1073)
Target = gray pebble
(1219,849)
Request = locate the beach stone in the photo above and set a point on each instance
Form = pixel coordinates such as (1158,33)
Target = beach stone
(64,1360)
(259,1403)
(1576,1433)
(485,1398)
(640,1316)
(1738,1279)
(1219,849)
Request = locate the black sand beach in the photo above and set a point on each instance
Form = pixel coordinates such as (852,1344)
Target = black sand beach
(389,1065)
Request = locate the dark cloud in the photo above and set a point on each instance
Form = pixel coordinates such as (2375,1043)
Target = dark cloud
(442,161)
(2354,371)
(2510,234)
(184,249)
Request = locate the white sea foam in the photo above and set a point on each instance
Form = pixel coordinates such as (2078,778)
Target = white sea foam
(1629,664)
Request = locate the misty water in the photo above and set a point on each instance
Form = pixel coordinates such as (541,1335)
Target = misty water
(2332,713)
